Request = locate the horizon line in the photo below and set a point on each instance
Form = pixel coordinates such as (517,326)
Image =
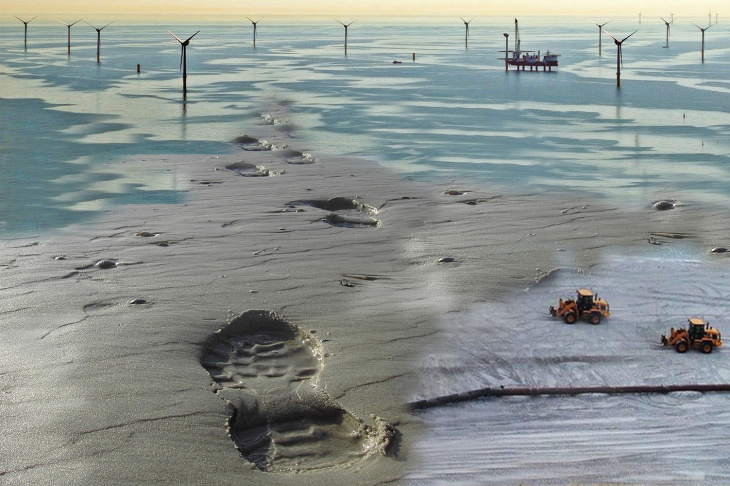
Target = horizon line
(178,17)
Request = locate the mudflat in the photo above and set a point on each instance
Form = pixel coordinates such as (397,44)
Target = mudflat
(276,323)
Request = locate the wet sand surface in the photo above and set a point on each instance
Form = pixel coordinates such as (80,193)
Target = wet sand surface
(112,371)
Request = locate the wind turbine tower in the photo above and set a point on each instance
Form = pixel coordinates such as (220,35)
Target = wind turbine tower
(346,26)
(254,29)
(69,33)
(703,38)
(25,23)
(619,56)
(506,51)
(640,17)
(667,24)
(98,39)
(466,38)
(183,60)
(600,30)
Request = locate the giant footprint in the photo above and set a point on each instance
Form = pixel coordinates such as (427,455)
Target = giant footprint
(268,371)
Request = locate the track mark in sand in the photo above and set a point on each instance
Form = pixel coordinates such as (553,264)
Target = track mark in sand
(676,236)
(344,212)
(268,370)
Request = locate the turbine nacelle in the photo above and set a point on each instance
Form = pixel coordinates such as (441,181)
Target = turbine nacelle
(99,29)
(702,29)
(183,45)
(69,25)
(347,25)
(26,22)
(619,42)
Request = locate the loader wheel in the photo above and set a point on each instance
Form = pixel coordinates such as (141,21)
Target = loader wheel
(595,318)
(706,348)
(682,347)
(570,318)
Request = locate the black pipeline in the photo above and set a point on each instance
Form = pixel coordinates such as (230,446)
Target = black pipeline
(610,390)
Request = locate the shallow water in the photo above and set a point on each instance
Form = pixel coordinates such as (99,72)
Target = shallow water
(452,114)
(66,124)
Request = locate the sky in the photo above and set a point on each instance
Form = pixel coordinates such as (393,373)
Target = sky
(224,8)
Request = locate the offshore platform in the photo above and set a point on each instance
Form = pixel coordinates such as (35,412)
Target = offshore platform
(523,59)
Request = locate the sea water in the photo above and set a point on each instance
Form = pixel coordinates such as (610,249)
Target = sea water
(453,113)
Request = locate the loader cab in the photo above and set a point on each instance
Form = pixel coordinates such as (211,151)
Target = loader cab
(697,327)
(585,299)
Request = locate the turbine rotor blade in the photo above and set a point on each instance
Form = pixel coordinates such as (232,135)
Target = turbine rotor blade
(107,25)
(612,37)
(187,41)
(182,52)
(176,37)
(634,32)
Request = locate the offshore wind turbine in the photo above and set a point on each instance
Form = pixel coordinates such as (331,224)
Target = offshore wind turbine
(600,29)
(667,24)
(466,24)
(183,59)
(703,38)
(619,55)
(98,39)
(69,33)
(346,26)
(254,29)
(25,23)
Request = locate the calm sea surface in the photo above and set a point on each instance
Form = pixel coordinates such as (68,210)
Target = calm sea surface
(66,121)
